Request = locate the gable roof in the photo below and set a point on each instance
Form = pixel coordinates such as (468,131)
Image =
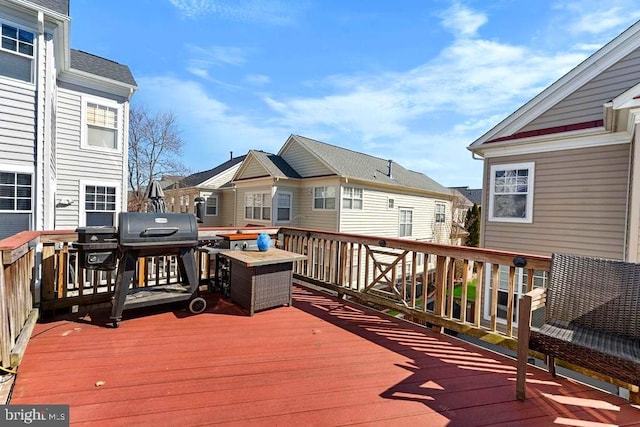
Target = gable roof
(590,68)
(102,67)
(198,178)
(60,6)
(352,164)
(473,195)
(275,165)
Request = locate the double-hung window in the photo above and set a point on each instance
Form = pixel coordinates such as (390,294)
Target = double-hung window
(100,205)
(100,125)
(352,198)
(440,213)
(15,192)
(257,206)
(284,207)
(211,206)
(324,198)
(17,53)
(511,193)
(406,222)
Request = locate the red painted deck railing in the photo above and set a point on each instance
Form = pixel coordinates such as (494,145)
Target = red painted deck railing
(434,284)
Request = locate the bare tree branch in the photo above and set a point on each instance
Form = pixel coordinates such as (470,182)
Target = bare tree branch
(155,150)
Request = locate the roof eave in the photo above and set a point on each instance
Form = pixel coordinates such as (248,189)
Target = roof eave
(602,59)
(79,77)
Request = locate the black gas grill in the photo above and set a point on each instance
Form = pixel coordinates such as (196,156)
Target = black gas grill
(142,235)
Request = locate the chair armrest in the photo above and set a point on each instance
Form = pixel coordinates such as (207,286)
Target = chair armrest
(538,298)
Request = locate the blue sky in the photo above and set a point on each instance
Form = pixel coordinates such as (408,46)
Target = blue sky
(415,81)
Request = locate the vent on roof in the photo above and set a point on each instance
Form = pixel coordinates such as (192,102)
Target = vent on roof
(390,174)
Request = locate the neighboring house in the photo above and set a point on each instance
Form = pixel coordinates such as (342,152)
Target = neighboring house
(316,185)
(561,173)
(63,124)
(210,185)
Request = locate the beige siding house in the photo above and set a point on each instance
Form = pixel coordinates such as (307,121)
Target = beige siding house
(63,124)
(312,184)
(561,173)
(214,186)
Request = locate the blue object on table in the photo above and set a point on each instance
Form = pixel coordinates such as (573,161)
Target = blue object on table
(264,242)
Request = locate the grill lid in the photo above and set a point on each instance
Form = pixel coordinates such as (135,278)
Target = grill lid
(142,230)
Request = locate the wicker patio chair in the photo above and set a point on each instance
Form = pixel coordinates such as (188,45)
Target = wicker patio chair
(592,319)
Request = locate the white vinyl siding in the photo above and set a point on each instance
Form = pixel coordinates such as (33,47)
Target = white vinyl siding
(17,122)
(580,204)
(378,219)
(74,163)
(511,192)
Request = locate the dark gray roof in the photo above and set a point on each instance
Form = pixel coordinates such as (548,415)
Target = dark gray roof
(200,177)
(275,165)
(60,6)
(352,164)
(102,67)
(474,195)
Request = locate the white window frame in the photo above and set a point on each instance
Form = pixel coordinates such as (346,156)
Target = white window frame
(25,170)
(82,213)
(350,198)
(440,213)
(265,204)
(278,207)
(17,52)
(84,143)
(391,203)
(207,206)
(325,189)
(401,224)
(519,289)
(528,212)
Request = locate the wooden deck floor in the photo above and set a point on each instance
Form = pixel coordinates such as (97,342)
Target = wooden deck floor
(322,362)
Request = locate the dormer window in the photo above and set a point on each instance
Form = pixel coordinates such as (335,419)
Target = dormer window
(16,53)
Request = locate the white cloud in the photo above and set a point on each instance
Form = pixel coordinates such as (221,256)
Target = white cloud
(215,55)
(257,79)
(462,21)
(209,127)
(272,12)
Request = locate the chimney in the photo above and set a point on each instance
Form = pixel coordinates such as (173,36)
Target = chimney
(231,154)
(390,174)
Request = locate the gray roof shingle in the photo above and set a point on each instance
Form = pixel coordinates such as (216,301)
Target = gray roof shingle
(200,177)
(102,67)
(352,164)
(60,6)
(473,194)
(275,165)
